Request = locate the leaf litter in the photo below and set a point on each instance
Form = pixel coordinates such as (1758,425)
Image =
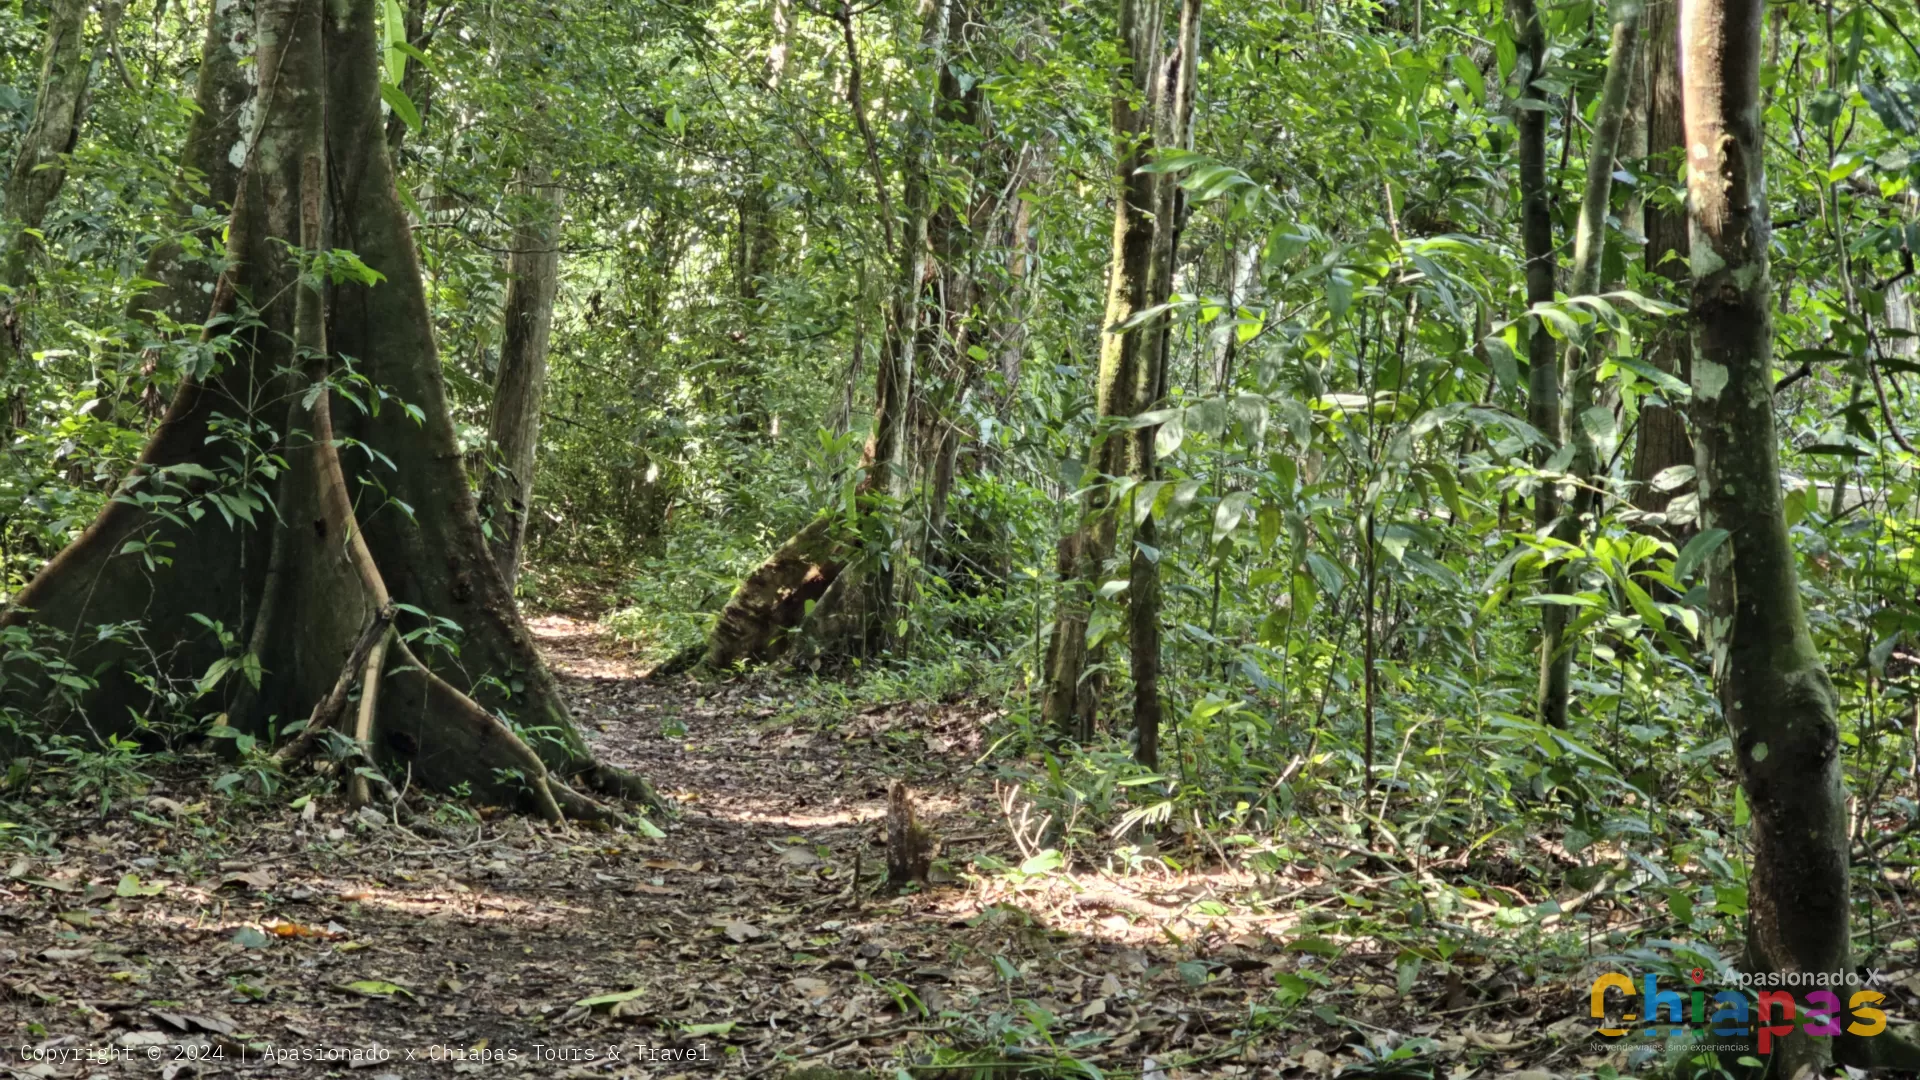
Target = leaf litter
(738,943)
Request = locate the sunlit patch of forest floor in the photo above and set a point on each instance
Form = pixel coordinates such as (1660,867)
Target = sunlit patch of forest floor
(186,933)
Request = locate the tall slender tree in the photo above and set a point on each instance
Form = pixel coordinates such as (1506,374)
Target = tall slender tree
(39,167)
(217,141)
(1536,235)
(520,386)
(1660,438)
(805,584)
(1174,128)
(1578,417)
(1152,104)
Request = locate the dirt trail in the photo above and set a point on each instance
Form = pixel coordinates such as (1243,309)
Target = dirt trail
(308,940)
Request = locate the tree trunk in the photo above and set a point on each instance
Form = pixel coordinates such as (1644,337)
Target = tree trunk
(1174,127)
(192,536)
(1543,363)
(59,109)
(40,166)
(822,581)
(1661,441)
(1779,706)
(513,422)
(1067,704)
(1578,414)
(218,140)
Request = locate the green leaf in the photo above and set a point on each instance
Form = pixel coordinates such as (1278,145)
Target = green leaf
(131,885)
(1315,944)
(1698,549)
(601,1001)
(1642,604)
(1562,600)
(1339,291)
(377,988)
(1227,515)
(401,104)
(1681,905)
(1170,435)
(1672,478)
(698,1030)
(1470,77)
(1047,860)
(1506,367)
(1741,814)
(396,35)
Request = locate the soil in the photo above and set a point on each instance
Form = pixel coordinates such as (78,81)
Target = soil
(187,932)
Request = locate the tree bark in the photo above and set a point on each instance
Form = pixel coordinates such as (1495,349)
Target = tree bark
(1780,708)
(1578,413)
(1543,362)
(1068,701)
(59,109)
(218,140)
(360,532)
(1174,124)
(519,389)
(1661,440)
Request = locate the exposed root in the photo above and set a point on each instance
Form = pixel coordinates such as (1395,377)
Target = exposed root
(369,706)
(680,663)
(1886,1051)
(774,598)
(621,784)
(329,709)
(581,807)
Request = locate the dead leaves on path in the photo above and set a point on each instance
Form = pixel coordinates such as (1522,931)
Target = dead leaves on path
(741,931)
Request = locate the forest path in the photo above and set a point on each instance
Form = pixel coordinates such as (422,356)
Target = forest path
(297,935)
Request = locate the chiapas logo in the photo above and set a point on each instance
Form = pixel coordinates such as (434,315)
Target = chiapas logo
(1743,1009)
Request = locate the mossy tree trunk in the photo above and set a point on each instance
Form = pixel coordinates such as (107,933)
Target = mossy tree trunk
(1536,235)
(1174,128)
(293,550)
(1152,107)
(1069,694)
(519,388)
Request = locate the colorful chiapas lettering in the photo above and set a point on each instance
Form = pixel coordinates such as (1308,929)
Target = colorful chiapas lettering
(1734,1012)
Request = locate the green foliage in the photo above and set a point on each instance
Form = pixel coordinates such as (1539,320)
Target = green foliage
(1342,451)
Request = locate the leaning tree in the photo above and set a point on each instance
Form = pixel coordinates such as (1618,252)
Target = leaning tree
(302,514)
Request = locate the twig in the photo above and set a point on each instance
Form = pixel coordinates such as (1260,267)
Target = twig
(844,1042)
(1572,907)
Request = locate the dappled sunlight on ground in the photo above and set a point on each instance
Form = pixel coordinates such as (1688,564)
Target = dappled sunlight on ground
(740,934)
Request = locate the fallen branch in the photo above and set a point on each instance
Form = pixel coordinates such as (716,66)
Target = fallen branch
(369,704)
(1572,907)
